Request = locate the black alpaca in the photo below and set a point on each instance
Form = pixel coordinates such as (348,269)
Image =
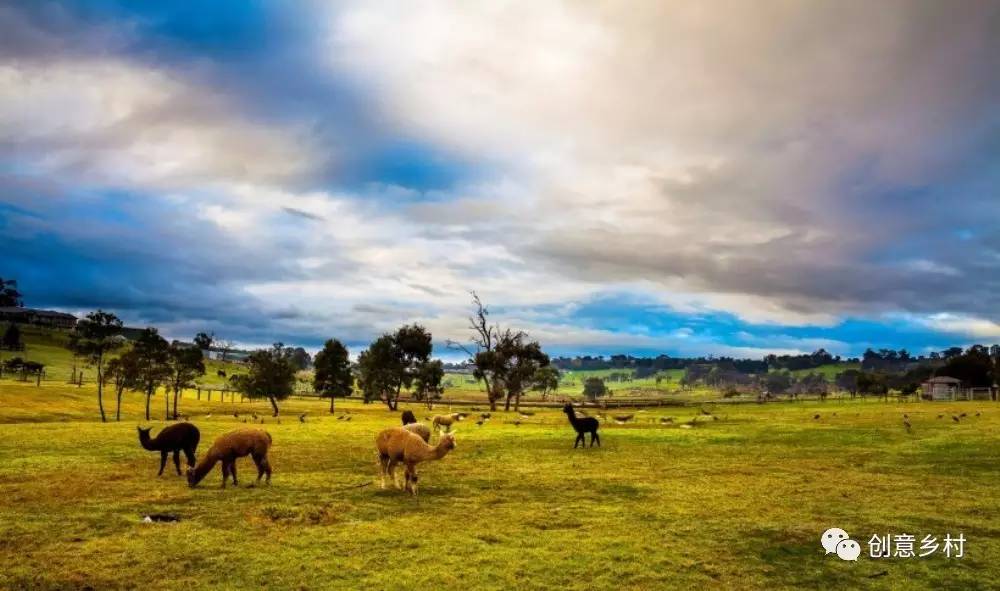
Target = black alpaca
(175,438)
(583,426)
(408,417)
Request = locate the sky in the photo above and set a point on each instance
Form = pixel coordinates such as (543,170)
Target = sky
(684,178)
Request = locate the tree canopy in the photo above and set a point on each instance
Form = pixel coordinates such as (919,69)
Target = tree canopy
(392,362)
(332,375)
(270,375)
(9,294)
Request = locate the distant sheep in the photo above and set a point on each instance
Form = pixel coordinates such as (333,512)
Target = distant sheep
(447,421)
(227,448)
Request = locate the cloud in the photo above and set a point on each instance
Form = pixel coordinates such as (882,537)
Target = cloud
(726,179)
(747,153)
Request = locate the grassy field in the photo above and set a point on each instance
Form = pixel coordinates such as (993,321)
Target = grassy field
(733,503)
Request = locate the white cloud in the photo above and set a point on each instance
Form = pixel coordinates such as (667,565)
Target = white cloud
(961,324)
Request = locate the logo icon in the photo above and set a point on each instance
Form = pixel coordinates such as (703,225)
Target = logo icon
(848,550)
(837,541)
(831,538)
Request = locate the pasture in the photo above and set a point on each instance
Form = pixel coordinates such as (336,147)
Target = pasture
(733,503)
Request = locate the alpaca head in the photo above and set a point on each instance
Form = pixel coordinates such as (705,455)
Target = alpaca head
(408,417)
(568,409)
(144,434)
(192,477)
(447,441)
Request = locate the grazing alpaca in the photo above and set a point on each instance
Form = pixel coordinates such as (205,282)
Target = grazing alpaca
(583,426)
(397,445)
(174,438)
(447,421)
(235,444)
(420,429)
(408,417)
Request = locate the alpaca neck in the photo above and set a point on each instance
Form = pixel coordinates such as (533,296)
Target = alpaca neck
(203,468)
(146,442)
(439,451)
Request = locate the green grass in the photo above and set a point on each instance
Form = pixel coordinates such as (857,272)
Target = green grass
(737,503)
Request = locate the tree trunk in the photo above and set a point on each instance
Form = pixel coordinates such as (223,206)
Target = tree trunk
(166,402)
(118,404)
(506,404)
(332,404)
(517,402)
(100,391)
(149,397)
(274,405)
(176,394)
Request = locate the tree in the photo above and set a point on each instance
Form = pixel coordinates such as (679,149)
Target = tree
(546,380)
(392,362)
(594,388)
(872,383)
(10,297)
(270,375)
(184,364)
(12,338)
(300,358)
(482,354)
(93,338)
(332,376)
(149,358)
(121,373)
(848,381)
(204,341)
(515,363)
(427,381)
(223,345)
(974,367)
(777,382)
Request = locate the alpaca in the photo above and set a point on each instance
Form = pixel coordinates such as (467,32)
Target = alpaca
(173,438)
(408,417)
(420,429)
(583,426)
(396,445)
(230,446)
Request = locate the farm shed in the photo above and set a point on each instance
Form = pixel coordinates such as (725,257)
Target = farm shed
(941,388)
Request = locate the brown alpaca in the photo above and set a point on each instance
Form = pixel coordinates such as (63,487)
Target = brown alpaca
(397,445)
(173,438)
(227,448)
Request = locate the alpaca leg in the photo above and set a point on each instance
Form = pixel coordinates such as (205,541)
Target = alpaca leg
(232,470)
(411,479)
(259,462)
(383,468)
(177,461)
(189,455)
(595,437)
(392,473)
(579,440)
(267,471)
(163,462)
(225,473)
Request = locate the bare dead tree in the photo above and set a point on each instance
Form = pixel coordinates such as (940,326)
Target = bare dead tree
(482,351)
